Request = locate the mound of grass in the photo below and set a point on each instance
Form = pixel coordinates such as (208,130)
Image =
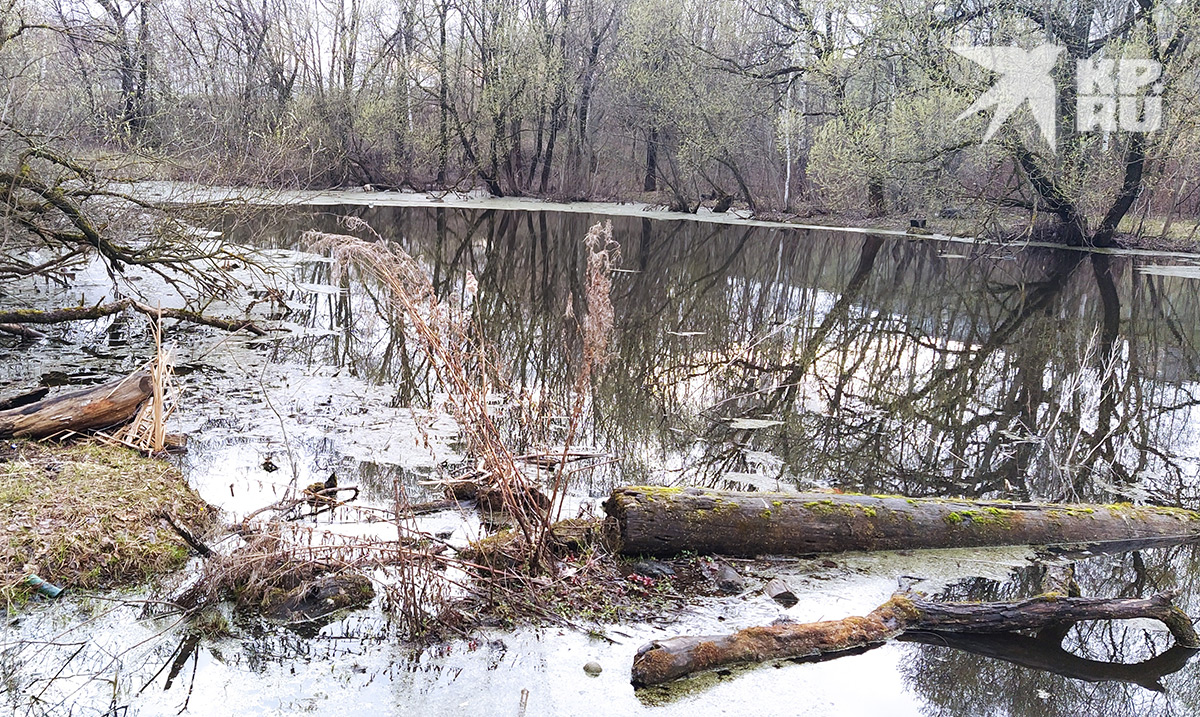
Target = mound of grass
(86,516)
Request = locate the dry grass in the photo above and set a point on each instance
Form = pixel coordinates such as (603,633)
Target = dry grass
(147,431)
(85,516)
(603,253)
(273,575)
(441,331)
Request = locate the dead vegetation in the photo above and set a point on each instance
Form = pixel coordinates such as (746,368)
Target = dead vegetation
(291,569)
(86,516)
(273,576)
(543,571)
(463,370)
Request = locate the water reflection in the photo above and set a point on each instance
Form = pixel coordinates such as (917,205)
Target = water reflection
(744,357)
(869,364)
(862,363)
(1114,667)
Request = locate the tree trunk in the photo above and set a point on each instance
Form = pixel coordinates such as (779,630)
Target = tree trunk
(666,521)
(443,9)
(875,197)
(665,660)
(100,406)
(651,182)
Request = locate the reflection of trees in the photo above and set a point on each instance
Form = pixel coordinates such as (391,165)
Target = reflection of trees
(957,682)
(1029,374)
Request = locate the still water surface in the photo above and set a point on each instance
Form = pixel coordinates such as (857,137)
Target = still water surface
(744,357)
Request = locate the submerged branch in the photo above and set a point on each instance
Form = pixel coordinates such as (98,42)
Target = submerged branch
(87,313)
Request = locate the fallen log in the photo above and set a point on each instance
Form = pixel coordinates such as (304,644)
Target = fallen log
(665,660)
(108,404)
(20,317)
(663,522)
(23,331)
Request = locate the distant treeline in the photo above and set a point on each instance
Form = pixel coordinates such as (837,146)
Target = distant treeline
(804,105)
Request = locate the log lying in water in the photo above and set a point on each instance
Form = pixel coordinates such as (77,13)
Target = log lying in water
(100,406)
(23,399)
(666,660)
(666,521)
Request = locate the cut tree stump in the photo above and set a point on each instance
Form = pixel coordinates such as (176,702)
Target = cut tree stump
(664,522)
(665,660)
(108,404)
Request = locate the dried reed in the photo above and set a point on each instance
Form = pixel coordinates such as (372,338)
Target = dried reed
(443,336)
(597,327)
(421,585)
(147,431)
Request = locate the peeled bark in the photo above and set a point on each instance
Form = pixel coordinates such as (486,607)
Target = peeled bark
(666,660)
(663,522)
(108,404)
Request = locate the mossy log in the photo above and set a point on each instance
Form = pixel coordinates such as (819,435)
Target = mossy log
(665,660)
(108,404)
(666,521)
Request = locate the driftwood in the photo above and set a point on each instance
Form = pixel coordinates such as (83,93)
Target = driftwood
(23,331)
(20,317)
(665,660)
(24,399)
(666,521)
(779,591)
(90,408)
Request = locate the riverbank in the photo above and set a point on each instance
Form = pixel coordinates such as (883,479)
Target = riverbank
(86,516)
(1012,229)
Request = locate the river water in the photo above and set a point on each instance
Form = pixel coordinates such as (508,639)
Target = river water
(745,356)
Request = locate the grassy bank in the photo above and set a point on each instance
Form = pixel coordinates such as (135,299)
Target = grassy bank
(85,516)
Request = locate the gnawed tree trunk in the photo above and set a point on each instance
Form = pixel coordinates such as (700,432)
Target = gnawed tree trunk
(666,521)
(665,660)
(108,404)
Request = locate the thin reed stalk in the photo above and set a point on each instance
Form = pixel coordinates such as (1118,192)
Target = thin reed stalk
(442,334)
(147,432)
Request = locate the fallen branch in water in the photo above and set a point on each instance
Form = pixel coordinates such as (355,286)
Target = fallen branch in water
(188,537)
(23,331)
(21,317)
(676,657)
(1046,653)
